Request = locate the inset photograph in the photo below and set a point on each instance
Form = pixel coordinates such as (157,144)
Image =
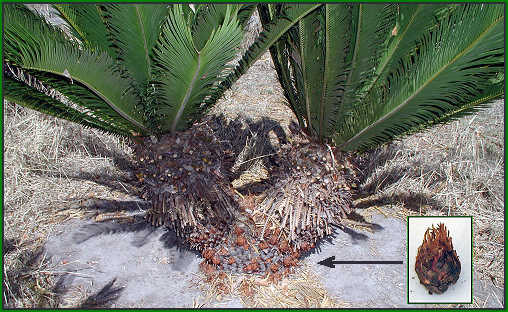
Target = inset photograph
(439,259)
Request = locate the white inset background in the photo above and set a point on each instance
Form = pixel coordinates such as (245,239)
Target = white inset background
(460,232)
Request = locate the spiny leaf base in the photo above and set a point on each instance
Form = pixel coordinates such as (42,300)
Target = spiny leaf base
(313,191)
(185,177)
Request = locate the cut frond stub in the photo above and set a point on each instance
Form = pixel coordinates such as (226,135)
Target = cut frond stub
(186,180)
(313,191)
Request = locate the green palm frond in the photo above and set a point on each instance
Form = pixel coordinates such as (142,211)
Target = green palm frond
(187,73)
(207,18)
(453,66)
(145,68)
(210,16)
(289,16)
(311,56)
(282,52)
(335,73)
(135,29)
(404,35)
(477,103)
(369,21)
(29,92)
(362,75)
(311,63)
(33,45)
(148,69)
(89,101)
(245,12)
(87,24)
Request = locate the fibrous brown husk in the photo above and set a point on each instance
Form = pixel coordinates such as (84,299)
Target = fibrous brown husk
(313,191)
(186,178)
(437,264)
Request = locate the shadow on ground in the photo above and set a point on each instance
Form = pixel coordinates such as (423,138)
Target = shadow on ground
(27,266)
(104,297)
(127,264)
(375,178)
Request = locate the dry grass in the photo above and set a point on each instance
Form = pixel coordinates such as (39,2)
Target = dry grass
(49,166)
(300,290)
(453,169)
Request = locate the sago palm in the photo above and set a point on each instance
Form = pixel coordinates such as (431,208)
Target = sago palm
(357,76)
(148,72)
(354,75)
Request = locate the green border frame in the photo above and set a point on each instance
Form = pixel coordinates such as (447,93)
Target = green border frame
(407,259)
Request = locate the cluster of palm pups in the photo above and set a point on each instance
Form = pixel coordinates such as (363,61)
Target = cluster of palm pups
(355,76)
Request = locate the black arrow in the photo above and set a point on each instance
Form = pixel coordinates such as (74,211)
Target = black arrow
(330,262)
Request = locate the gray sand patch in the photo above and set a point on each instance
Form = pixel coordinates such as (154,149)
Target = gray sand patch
(145,261)
(367,285)
(153,271)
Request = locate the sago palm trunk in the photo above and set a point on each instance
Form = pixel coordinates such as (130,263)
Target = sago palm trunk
(313,189)
(186,177)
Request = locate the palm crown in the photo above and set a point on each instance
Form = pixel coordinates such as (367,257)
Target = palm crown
(357,75)
(362,75)
(137,69)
